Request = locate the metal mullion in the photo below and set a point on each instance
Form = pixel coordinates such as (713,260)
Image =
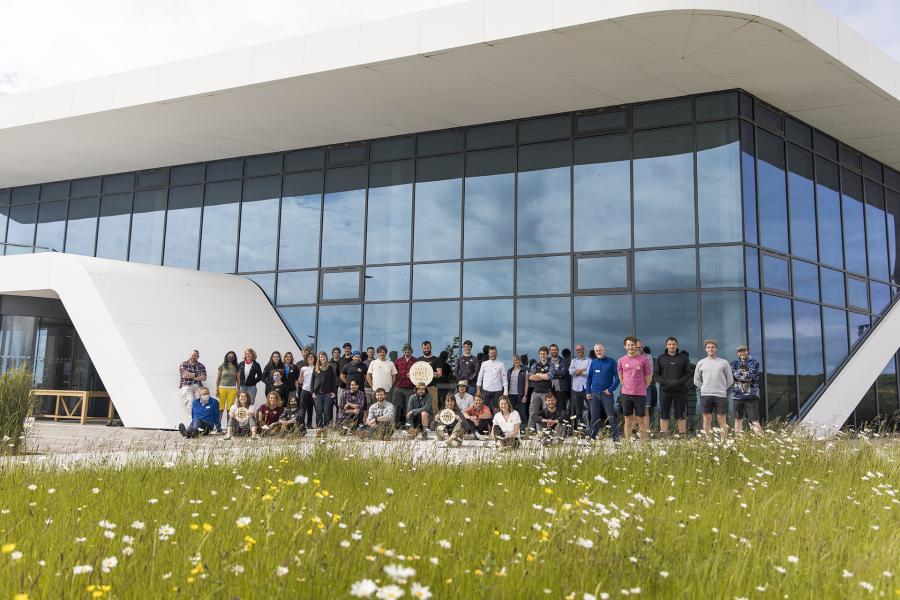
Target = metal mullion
(631,246)
(324,173)
(515,276)
(572,263)
(412,238)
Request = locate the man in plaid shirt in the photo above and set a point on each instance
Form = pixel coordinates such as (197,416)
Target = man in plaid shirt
(191,374)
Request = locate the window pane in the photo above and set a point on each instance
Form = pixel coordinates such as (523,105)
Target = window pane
(722,266)
(266,282)
(115,184)
(540,322)
(304,160)
(544,198)
(488,278)
(857,293)
(489,136)
(437,322)
(668,112)
(392,149)
(876,238)
(218,248)
(834,323)
(829,212)
(806,280)
(81,228)
(719,182)
(338,323)
(602,272)
(665,269)
(186,174)
(259,224)
(602,120)
(266,164)
(301,322)
(603,319)
(658,316)
(881,296)
(776,273)
(85,187)
(490,203)
(437,280)
(854,222)
(344,218)
(723,320)
(440,142)
(389,212)
(21,228)
(386,324)
(345,155)
(833,288)
(802,202)
(602,193)
(183,227)
(301,213)
(340,285)
(438,208)
(298,287)
(545,128)
(773,226)
(716,106)
(112,231)
(225,169)
(751,264)
(779,357)
(51,225)
(544,275)
(490,322)
(664,187)
(147,226)
(859,325)
(387,283)
(810,358)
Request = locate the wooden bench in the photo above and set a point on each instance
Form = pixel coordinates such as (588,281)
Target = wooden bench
(82,405)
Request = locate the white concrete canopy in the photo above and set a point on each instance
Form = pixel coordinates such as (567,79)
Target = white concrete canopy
(139,322)
(472,62)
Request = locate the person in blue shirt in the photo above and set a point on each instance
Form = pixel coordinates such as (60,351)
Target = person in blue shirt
(745,393)
(204,416)
(602,381)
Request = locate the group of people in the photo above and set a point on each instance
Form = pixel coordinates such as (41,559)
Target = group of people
(553,397)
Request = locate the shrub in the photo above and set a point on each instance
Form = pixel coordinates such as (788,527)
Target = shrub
(15,407)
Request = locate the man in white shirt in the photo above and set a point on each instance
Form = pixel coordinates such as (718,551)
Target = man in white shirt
(381,372)
(492,381)
(578,369)
(463,398)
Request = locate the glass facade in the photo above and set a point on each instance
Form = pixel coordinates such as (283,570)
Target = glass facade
(695,217)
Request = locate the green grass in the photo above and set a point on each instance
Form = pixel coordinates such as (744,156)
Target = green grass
(723,522)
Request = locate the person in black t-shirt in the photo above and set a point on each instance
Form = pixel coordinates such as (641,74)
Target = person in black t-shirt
(551,421)
(437,366)
(354,370)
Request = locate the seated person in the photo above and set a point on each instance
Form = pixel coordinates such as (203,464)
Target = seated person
(506,425)
(379,420)
(551,420)
(270,412)
(204,416)
(291,419)
(351,408)
(443,426)
(242,418)
(477,418)
(418,412)
(463,397)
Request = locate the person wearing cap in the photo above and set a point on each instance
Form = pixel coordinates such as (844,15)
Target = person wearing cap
(404,387)
(462,397)
(745,393)
(419,412)
(354,371)
(467,367)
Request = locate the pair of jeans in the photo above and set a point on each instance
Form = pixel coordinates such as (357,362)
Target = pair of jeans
(251,391)
(492,399)
(198,427)
(537,402)
(603,403)
(579,406)
(324,409)
(399,396)
(306,407)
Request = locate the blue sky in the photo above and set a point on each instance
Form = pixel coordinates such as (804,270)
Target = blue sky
(48,42)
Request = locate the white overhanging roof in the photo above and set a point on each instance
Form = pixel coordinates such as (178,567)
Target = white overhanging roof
(139,322)
(472,62)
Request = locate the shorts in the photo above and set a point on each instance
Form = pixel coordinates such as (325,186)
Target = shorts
(670,400)
(748,407)
(715,404)
(632,405)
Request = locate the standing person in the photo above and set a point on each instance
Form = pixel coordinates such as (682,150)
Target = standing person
(518,388)
(559,376)
(539,382)
(192,374)
(672,372)
(324,388)
(491,381)
(419,413)
(379,420)
(602,380)
(462,399)
(354,371)
(651,389)
(506,425)
(291,375)
(270,412)
(713,376)
(242,418)
(381,373)
(635,374)
(467,367)
(578,371)
(304,381)
(249,375)
(273,375)
(368,360)
(745,371)
(335,362)
(437,366)
(404,386)
(351,408)
(204,416)
(370,356)
(226,381)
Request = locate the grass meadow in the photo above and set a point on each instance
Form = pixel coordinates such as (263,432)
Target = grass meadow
(767,516)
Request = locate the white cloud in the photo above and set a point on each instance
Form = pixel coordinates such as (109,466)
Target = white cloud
(876,20)
(47,42)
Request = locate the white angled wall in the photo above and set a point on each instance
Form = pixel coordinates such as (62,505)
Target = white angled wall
(138,322)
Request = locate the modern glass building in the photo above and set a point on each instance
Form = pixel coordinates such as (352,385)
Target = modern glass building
(706,215)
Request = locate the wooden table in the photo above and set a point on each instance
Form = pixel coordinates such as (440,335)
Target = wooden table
(80,410)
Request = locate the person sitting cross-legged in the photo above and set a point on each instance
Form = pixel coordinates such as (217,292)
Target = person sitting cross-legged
(418,412)
(204,416)
(379,420)
(551,421)
(270,412)
(506,425)
(291,419)
(242,418)
(443,430)
(351,408)
(477,418)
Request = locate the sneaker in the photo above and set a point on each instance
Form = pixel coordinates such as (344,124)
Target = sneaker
(480,436)
(227,436)
(413,433)
(500,445)
(183,430)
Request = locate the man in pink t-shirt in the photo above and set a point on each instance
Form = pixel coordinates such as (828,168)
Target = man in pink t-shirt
(635,375)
